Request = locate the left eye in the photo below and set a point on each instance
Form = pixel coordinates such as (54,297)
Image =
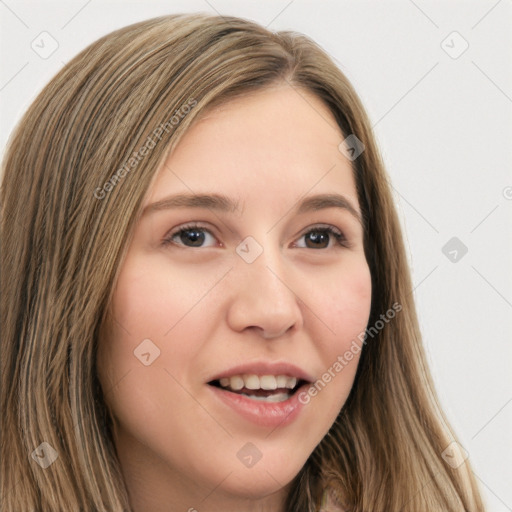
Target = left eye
(321,236)
(316,238)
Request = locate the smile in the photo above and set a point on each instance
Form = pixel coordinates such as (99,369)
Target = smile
(264,388)
(263,393)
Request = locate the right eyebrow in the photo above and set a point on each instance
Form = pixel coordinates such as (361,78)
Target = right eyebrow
(217,202)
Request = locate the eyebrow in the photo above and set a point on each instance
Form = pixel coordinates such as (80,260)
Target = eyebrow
(223,203)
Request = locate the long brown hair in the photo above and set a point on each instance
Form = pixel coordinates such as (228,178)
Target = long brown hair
(73,185)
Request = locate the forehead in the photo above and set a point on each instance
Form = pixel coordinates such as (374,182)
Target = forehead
(276,142)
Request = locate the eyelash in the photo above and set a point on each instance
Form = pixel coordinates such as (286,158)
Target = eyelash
(331,230)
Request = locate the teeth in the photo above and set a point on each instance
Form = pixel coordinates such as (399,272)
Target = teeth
(252,382)
(267,382)
(236,383)
(276,397)
(281,381)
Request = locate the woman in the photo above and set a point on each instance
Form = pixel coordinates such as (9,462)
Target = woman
(207,304)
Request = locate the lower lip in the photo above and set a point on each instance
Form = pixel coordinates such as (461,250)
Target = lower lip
(266,414)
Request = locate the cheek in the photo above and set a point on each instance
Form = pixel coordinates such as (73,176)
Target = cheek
(152,302)
(346,304)
(145,299)
(154,298)
(344,307)
(142,310)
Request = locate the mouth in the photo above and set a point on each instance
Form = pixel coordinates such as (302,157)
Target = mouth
(265,393)
(261,388)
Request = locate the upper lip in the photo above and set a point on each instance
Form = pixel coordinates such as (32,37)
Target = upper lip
(261,368)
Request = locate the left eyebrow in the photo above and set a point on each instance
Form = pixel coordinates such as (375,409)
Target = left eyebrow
(322,201)
(223,203)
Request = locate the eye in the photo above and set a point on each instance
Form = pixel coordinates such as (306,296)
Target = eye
(195,235)
(320,237)
(189,235)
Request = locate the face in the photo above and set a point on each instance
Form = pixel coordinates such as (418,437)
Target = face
(241,287)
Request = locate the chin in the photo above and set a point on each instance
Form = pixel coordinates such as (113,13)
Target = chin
(258,482)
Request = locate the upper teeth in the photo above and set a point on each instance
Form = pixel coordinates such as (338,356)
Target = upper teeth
(268,382)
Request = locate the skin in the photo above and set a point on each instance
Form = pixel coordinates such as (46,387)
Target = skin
(207,309)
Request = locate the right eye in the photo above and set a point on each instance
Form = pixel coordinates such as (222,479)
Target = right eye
(189,235)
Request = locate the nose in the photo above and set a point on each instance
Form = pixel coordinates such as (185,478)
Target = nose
(264,298)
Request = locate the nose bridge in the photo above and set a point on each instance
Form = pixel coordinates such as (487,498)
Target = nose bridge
(262,264)
(263,298)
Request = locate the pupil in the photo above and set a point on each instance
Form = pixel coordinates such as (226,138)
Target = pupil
(318,238)
(196,237)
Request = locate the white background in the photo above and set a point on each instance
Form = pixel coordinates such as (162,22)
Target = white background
(444,128)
